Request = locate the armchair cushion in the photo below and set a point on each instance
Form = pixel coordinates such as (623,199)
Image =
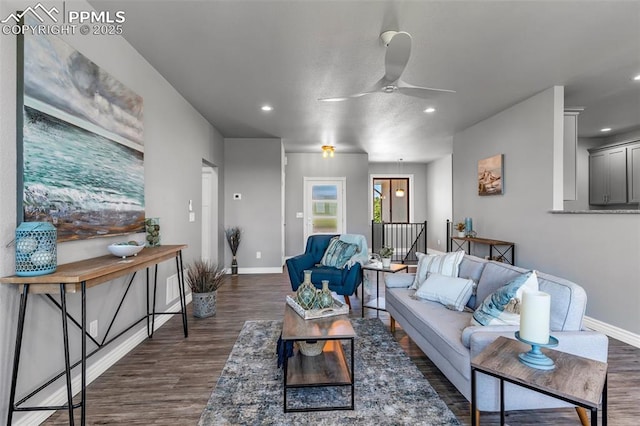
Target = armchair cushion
(338,253)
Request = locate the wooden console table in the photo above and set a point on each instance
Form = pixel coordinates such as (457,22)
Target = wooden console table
(502,248)
(78,277)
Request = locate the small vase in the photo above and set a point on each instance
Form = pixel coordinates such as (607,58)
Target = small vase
(234,266)
(325,299)
(306,294)
(386,262)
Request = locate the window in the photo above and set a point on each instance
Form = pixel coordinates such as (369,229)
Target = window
(391,200)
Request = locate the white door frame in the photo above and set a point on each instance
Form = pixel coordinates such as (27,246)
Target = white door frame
(391,176)
(209,224)
(342,202)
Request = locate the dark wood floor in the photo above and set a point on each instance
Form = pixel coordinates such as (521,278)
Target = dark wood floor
(167,380)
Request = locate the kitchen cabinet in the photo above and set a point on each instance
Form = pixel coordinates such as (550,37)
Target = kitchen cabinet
(633,172)
(608,176)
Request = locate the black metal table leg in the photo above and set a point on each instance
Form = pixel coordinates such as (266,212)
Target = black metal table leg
(67,363)
(604,401)
(16,351)
(501,402)
(83,409)
(473,397)
(148,321)
(153,307)
(183,293)
(353,377)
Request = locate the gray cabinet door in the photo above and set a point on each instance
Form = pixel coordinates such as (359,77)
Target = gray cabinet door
(633,172)
(598,170)
(617,176)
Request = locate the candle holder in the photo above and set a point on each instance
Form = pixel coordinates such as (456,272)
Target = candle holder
(535,358)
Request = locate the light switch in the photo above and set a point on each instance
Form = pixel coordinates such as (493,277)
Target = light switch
(299,215)
(192,217)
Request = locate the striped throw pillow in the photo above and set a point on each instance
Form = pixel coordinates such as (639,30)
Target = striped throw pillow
(443,264)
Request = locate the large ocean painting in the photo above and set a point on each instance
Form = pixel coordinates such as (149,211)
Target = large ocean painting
(82,144)
(85,184)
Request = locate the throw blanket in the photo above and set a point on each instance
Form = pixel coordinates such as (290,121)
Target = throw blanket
(362,256)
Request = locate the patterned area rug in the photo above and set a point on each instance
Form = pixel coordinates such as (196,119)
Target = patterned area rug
(389,389)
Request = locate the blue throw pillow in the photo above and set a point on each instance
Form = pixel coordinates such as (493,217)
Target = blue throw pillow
(338,253)
(502,307)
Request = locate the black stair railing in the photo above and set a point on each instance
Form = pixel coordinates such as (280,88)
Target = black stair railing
(405,238)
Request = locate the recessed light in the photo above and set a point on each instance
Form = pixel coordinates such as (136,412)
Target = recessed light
(266,108)
(430,110)
(637,77)
(605,129)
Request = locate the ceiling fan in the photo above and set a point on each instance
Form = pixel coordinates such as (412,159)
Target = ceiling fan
(398,52)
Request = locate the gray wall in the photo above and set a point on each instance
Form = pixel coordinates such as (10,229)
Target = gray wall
(177,139)
(439,181)
(253,168)
(354,167)
(599,252)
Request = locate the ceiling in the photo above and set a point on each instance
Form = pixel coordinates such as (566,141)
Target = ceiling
(228,58)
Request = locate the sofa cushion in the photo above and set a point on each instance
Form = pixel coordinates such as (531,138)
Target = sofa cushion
(338,253)
(495,275)
(471,267)
(444,264)
(503,305)
(452,292)
(440,326)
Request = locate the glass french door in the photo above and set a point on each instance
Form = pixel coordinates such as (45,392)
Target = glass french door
(324,206)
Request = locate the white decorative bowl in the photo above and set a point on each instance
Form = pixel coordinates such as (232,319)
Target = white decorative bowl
(124,250)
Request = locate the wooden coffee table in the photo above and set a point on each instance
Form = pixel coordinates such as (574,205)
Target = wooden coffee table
(330,368)
(577,380)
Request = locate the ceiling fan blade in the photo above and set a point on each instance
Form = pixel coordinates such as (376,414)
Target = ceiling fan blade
(420,92)
(377,87)
(397,56)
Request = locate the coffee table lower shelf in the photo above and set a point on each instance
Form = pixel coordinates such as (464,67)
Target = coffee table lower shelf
(329,369)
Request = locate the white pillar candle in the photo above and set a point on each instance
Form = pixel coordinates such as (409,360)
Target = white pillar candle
(534,316)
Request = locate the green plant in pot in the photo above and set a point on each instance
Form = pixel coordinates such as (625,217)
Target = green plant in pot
(204,279)
(386,252)
(233,235)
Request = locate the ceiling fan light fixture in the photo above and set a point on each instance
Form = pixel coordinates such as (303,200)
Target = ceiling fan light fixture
(328,151)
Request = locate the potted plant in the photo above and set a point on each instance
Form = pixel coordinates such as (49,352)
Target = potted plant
(204,279)
(460,228)
(233,235)
(385,254)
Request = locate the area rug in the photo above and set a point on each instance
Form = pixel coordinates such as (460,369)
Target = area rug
(389,389)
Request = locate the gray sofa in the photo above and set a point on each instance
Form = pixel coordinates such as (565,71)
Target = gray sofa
(447,338)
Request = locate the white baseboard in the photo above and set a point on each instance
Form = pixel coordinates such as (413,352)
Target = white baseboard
(267,270)
(59,396)
(612,331)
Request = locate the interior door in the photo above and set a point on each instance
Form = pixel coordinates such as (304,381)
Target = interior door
(324,206)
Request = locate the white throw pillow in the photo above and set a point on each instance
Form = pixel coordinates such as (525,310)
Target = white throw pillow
(443,264)
(452,292)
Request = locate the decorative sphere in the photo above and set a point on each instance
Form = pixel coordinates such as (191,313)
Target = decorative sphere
(27,245)
(41,258)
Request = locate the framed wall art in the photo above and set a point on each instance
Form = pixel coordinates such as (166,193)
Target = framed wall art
(490,175)
(80,144)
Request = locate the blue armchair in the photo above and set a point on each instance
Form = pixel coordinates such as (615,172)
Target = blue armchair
(343,281)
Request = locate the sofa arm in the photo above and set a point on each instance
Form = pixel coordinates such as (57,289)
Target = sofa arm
(588,344)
